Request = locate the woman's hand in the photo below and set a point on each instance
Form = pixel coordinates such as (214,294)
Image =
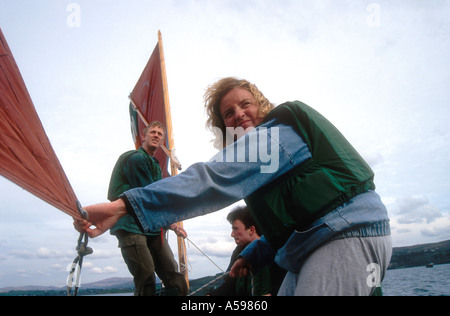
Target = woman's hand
(102,216)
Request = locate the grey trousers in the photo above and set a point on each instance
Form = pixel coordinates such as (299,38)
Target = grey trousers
(342,267)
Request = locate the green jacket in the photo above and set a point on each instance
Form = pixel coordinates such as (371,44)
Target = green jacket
(257,285)
(133,169)
(335,174)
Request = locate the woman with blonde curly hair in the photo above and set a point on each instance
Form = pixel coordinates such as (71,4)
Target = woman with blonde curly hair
(213,98)
(321,219)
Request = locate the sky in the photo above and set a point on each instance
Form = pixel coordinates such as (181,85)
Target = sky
(377,69)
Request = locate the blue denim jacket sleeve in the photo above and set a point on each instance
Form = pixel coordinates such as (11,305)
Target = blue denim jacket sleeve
(252,161)
(259,254)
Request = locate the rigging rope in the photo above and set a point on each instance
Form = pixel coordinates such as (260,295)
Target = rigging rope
(73,281)
(205,254)
(223,275)
(210,283)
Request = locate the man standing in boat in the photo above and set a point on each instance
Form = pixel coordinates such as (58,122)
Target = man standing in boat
(145,253)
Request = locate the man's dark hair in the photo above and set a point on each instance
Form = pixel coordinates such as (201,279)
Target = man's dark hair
(243,214)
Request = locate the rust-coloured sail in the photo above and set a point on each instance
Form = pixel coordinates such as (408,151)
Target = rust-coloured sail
(148,97)
(26,155)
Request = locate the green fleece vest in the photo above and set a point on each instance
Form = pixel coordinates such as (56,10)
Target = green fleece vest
(335,174)
(126,177)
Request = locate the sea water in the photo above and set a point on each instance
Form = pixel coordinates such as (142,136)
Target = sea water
(418,281)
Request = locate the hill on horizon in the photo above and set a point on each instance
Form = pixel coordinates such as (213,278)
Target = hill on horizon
(420,255)
(110,283)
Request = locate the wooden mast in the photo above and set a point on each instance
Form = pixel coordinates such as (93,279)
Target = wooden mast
(182,254)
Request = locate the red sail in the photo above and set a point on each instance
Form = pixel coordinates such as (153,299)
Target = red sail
(148,97)
(26,155)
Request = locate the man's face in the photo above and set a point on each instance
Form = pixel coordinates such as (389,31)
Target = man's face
(241,235)
(154,137)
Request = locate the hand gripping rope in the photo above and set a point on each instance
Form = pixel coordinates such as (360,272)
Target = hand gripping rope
(73,281)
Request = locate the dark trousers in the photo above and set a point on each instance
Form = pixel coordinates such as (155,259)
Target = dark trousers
(145,255)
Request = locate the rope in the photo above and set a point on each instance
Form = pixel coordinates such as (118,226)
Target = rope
(205,254)
(82,250)
(252,279)
(209,284)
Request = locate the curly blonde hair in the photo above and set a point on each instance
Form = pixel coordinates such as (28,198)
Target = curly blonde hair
(213,97)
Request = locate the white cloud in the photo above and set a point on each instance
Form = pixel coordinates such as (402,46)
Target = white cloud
(58,267)
(45,253)
(440,229)
(96,270)
(106,252)
(416,209)
(373,158)
(415,220)
(110,269)
(218,249)
(22,254)
(105,270)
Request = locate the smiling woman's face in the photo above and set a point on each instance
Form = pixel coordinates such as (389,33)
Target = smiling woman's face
(239,108)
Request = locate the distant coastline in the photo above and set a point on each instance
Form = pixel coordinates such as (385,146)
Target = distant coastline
(420,255)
